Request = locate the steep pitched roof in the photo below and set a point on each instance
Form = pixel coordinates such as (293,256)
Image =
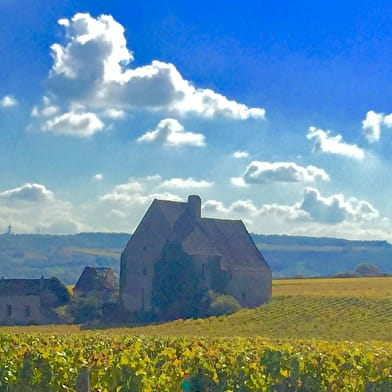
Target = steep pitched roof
(233,241)
(96,278)
(214,237)
(20,287)
(172,210)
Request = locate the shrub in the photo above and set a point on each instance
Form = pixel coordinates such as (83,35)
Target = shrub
(223,304)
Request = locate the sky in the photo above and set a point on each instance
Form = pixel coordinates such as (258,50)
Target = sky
(278,113)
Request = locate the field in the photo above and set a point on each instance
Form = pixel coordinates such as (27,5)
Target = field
(375,287)
(315,335)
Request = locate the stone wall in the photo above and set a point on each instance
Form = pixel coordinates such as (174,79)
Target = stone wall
(251,287)
(137,266)
(20,310)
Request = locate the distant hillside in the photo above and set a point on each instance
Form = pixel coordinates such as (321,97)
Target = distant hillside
(65,256)
(291,256)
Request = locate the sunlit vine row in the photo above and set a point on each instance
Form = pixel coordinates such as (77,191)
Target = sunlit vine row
(45,362)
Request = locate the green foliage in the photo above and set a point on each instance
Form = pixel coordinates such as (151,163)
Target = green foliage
(60,290)
(368,270)
(55,363)
(222,304)
(176,287)
(84,309)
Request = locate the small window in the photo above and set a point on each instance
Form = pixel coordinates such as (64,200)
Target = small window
(9,310)
(203,271)
(142,300)
(27,310)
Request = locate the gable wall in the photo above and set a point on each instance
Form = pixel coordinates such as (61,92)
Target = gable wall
(251,287)
(138,259)
(18,310)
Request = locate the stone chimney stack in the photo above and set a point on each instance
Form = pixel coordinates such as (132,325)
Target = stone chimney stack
(194,206)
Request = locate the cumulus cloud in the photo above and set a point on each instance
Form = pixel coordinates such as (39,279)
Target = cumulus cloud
(46,109)
(336,208)
(185,183)
(270,218)
(33,207)
(240,154)
(259,172)
(325,142)
(114,114)
(28,193)
(75,123)
(314,214)
(170,132)
(8,101)
(373,123)
(145,189)
(92,68)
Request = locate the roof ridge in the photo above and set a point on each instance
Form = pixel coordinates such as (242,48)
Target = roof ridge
(222,219)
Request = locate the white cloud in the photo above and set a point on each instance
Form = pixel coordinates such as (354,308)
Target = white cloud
(8,101)
(265,172)
(315,215)
(185,183)
(373,123)
(324,142)
(336,208)
(47,109)
(33,207)
(114,114)
(124,192)
(267,218)
(240,154)
(27,193)
(92,68)
(97,177)
(170,132)
(238,181)
(372,126)
(75,123)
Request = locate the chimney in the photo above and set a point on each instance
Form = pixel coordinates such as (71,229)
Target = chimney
(194,206)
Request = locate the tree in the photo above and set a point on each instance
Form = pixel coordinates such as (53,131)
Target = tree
(176,289)
(368,270)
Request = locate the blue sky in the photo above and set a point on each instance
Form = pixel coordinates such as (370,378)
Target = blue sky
(277,113)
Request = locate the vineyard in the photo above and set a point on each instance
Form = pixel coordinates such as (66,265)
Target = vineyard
(315,335)
(119,363)
(302,317)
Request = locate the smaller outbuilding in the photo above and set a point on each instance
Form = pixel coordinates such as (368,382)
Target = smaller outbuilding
(97,281)
(31,301)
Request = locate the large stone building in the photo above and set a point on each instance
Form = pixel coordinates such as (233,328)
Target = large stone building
(31,301)
(222,251)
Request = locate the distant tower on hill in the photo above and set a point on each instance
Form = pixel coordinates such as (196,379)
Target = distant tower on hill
(9,229)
